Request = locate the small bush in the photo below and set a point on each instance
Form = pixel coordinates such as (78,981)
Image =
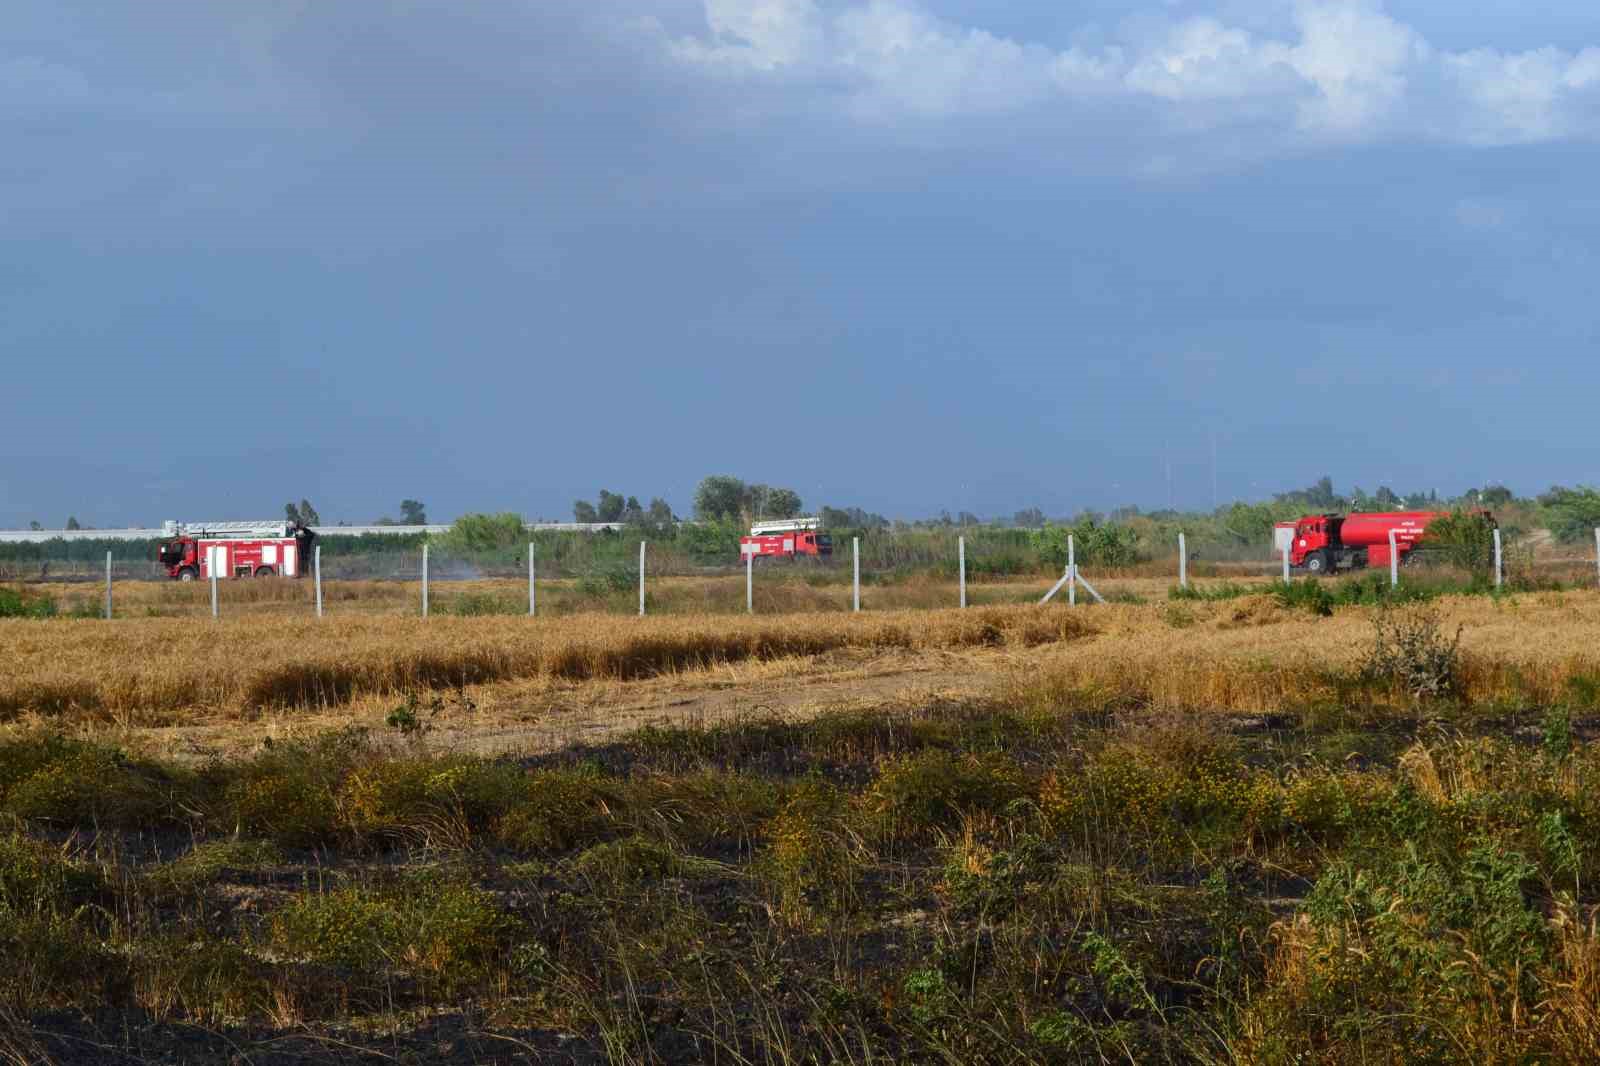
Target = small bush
(603,581)
(445,931)
(1410,654)
(15,603)
(932,790)
(561,809)
(1309,595)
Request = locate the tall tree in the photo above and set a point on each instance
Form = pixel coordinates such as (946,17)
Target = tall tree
(583,511)
(292,514)
(72,523)
(611,506)
(308,514)
(782,503)
(413,513)
(719,497)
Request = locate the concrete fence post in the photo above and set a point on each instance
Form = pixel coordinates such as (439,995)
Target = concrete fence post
(316,572)
(213,588)
(641,579)
(1285,564)
(1183,562)
(1499,562)
(749,583)
(1394,561)
(1072,573)
(1597,551)
(108,586)
(424,581)
(855,582)
(961,562)
(533,601)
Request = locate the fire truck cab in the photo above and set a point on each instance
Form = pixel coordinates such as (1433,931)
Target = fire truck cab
(198,550)
(790,538)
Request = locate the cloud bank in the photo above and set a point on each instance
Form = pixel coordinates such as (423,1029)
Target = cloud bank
(1341,72)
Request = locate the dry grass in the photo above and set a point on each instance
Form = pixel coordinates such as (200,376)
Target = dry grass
(149,671)
(1250,655)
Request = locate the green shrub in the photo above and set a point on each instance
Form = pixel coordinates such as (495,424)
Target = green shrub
(602,581)
(1093,544)
(1309,595)
(15,603)
(37,879)
(433,926)
(561,809)
(920,793)
(1462,538)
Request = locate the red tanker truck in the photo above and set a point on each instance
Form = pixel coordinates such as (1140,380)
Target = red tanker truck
(1328,542)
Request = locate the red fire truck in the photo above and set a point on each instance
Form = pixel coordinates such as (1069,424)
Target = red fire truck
(1328,542)
(790,538)
(197,550)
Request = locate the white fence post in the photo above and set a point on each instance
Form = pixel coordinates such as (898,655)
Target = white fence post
(961,556)
(855,584)
(641,579)
(1499,561)
(213,588)
(1597,550)
(316,570)
(108,586)
(1072,574)
(1285,564)
(1394,561)
(1183,562)
(749,583)
(1065,574)
(424,581)
(533,602)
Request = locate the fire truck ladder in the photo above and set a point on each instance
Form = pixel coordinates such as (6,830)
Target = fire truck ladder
(787,525)
(229,530)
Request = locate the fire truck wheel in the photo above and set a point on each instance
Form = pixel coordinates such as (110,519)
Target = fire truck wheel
(186,574)
(1316,562)
(264,571)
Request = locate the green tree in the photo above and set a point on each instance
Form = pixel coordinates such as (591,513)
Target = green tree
(413,513)
(611,506)
(72,523)
(782,503)
(720,496)
(292,514)
(583,511)
(308,514)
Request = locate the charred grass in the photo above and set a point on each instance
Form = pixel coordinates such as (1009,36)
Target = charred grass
(982,882)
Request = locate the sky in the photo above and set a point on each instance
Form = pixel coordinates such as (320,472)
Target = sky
(908,255)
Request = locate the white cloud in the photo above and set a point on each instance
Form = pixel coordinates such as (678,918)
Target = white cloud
(1345,71)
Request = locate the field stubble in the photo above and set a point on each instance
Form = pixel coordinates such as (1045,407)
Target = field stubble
(1091,859)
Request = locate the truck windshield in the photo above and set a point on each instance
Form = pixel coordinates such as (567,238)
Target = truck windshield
(171,553)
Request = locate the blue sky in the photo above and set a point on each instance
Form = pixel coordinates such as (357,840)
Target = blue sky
(909,255)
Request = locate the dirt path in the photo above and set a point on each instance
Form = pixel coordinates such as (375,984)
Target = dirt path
(875,684)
